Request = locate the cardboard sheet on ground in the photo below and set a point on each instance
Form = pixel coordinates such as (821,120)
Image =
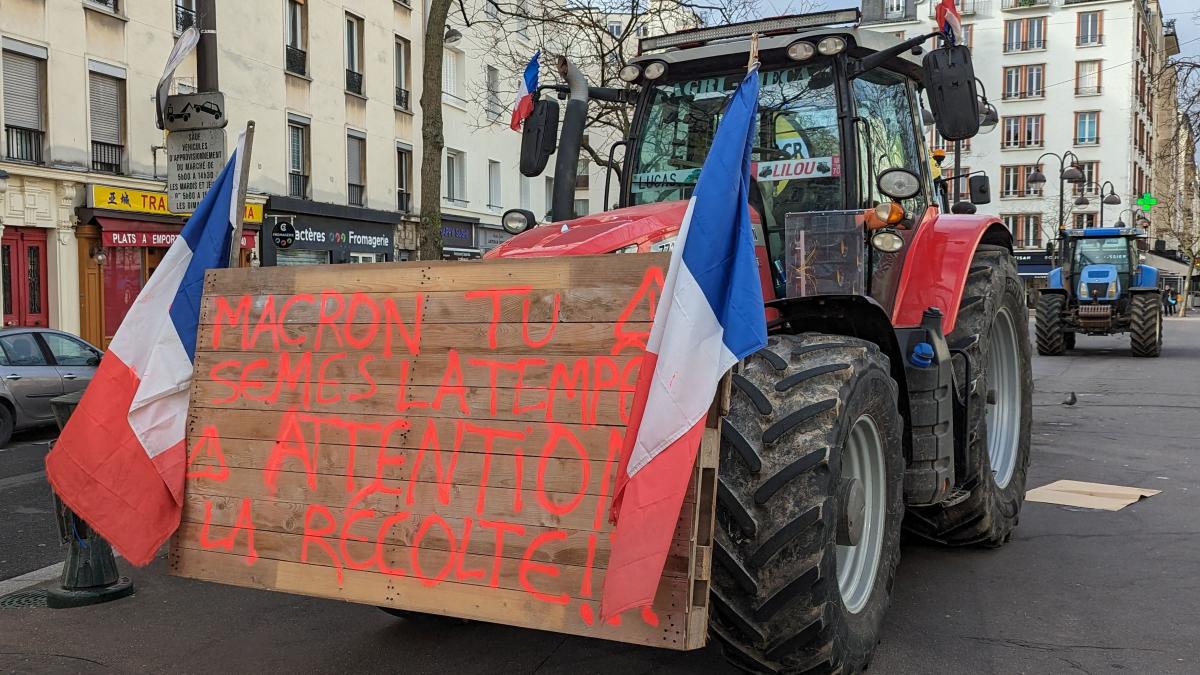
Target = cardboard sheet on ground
(1088,495)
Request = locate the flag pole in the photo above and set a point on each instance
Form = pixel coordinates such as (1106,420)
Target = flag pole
(235,244)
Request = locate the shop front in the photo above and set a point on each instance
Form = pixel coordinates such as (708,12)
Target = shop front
(458,238)
(490,236)
(1034,268)
(123,235)
(317,233)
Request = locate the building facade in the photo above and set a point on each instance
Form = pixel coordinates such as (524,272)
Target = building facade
(1065,76)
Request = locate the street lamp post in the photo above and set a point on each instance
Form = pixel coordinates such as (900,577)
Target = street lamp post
(1138,217)
(1111,197)
(1066,173)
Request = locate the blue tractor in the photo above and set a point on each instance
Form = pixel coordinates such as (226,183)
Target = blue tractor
(1100,289)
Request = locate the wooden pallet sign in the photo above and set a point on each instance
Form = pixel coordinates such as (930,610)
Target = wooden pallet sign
(435,437)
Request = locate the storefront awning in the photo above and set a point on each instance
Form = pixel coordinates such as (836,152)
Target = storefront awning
(123,232)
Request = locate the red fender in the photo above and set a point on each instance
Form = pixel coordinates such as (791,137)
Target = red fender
(935,269)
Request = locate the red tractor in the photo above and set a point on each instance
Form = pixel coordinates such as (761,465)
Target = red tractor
(895,387)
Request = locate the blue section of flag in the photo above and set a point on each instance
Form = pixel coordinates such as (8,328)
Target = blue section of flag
(207,233)
(719,248)
(531,73)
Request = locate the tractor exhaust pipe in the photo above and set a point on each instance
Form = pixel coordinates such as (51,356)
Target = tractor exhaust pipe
(566,165)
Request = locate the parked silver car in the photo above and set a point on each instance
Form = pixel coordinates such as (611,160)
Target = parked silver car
(37,364)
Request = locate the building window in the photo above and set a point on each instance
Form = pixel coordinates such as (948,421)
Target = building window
(582,206)
(1087,128)
(455,179)
(1087,78)
(492,9)
(522,16)
(1022,35)
(960,188)
(936,142)
(1025,81)
(106,118)
(298,166)
(403,52)
(494,199)
(452,65)
(24,107)
(1022,131)
(1088,29)
(354,54)
(614,29)
(1083,220)
(549,185)
(1091,174)
(969,34)
(185,15)
(893,9)
(1026,229)
(1014,181)
(523,186)
(296,58)
(494,107)
(110,5)
(403,180)
(356,169)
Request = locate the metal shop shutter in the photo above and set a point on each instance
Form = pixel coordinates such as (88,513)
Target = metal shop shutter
(292,256)
(22,91)
(105,108)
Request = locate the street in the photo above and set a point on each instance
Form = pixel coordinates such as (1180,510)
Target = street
(1076,590)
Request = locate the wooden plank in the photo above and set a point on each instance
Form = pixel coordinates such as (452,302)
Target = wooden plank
(535,273)
(571,305)
(585,339)
(461,600)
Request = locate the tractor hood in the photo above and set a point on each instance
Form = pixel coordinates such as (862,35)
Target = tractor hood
(1099,282)
(606,232)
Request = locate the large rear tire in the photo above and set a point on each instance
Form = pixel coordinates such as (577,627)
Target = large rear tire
(992,328)
(1145,325)
(809,507)
(1051,338)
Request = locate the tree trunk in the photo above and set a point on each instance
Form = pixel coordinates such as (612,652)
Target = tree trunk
(432,143)
(1187,290)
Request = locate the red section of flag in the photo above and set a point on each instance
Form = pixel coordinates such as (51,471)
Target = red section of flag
(99,468)
(521,112)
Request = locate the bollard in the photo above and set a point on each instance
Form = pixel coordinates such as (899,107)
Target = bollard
(89,573)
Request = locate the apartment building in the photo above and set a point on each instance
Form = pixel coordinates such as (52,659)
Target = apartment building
(1066,76)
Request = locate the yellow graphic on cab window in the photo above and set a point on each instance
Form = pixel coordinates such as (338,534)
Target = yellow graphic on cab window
(114,198)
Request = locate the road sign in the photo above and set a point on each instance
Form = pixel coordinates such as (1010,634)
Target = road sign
(205,110)
(194,158)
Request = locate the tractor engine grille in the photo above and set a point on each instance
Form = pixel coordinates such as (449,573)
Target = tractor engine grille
(1097,290)
(1095,317)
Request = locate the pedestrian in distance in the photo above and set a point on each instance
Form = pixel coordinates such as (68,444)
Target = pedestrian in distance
(1166,301)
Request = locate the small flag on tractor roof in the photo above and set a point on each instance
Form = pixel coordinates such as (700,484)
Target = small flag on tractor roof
(950,22)
(709,316)
(526,93)
(120,462)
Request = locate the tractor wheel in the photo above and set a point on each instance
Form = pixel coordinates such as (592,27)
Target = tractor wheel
(1069,340)
(1145,325)
(809,506)
(1051,339)
(991,326)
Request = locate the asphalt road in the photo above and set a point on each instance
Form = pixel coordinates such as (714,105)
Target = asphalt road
(1076,591)
(28,534)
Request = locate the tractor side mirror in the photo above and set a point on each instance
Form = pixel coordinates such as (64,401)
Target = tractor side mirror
(539,138)
(949,80)
(981,189)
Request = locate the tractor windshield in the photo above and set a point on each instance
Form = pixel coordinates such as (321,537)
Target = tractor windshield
(797,156)
(1103,251)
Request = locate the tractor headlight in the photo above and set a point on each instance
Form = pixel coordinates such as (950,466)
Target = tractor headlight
(831,45)
(1112,289)
(655,70)
(1083,289)
(887,241)
(801,50)
(630,73)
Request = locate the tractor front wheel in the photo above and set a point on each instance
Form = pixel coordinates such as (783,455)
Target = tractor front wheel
(992,328)
(809,506)
(1145,325)
(1051,338)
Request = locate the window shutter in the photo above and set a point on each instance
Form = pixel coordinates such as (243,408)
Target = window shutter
(354,160)
(22,91)
(105,108)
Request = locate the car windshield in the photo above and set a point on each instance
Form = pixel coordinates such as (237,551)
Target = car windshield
(1095,251)
(797,154)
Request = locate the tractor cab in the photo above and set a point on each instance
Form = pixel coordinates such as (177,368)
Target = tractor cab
(1101,263)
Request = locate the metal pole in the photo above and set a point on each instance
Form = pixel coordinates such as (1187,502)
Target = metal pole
(206,49)
(957,171)
(235,245)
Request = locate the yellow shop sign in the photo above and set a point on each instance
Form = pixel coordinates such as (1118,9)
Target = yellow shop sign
(115,198)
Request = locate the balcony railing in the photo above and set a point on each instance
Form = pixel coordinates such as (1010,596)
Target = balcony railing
(965,7)
(1012,95)
(1023,4)
(403,200)
(1087,140)
(24,145)
(110,5)
(1025,46)
(297,185)
(297,60)
(1089,40)
(1014,144)
(184,18)
(106,157)
(354,194)
(1077,2)
(1087,90)
(354,82)
(402,98)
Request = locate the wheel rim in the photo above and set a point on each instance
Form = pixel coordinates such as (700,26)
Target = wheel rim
(863,461)
(1003,409)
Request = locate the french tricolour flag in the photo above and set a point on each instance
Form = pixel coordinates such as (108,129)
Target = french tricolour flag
(709,316)
(526,90)
(120,462)
(949,21)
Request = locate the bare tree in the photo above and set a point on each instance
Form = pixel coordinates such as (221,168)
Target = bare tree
(432,141)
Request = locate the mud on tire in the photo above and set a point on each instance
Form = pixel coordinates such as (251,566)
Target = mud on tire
(776,602)
(989,511)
